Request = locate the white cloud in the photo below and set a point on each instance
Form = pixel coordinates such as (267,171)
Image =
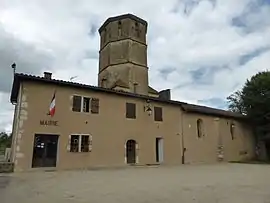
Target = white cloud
(183,36)
(6,113)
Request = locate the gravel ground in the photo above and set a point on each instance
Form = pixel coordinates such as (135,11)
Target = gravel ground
(230,183)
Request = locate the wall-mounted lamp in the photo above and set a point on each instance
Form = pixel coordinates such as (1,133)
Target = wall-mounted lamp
(147,109)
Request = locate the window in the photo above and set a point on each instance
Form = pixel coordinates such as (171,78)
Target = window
(77,103)
(85,143)
(74,143)
(199,128)
(85,104)
(110,35)
(232,127)
(137,30)
(80,143)
(158,114)
(119,28)
(104,36)
(135,87)
(130,110)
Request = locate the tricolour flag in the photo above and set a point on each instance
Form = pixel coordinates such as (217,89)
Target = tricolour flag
(52,106)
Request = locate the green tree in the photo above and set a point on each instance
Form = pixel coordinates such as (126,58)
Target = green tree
(5,140)
(253,100)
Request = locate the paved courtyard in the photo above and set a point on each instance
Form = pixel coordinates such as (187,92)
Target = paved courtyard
(230,183)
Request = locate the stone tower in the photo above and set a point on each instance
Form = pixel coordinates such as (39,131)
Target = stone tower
(123,54)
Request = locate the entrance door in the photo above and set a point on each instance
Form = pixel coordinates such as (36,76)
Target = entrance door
(131,151)
(267,147)
(45,151)
(159,150)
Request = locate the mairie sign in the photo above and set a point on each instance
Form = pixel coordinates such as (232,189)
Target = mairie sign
(48,123)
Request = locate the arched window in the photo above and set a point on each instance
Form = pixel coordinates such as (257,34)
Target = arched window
(232,127)
(199,128)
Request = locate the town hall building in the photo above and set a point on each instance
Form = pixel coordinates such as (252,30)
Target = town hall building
(122,121)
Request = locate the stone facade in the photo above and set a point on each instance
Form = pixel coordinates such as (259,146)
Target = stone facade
(121,114)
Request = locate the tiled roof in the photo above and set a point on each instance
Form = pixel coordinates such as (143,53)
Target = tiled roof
(19,77)
(210,111)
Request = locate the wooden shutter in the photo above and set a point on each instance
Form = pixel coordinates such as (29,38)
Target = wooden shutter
(130,110)
(158,113)
(77,101)
(69,142)
(90,143)
(95,105)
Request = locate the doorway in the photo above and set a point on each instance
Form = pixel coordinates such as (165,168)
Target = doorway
(159,150)
(267,148)
(45,150)
(131,151)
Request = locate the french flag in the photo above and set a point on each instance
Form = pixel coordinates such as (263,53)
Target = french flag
(52,106)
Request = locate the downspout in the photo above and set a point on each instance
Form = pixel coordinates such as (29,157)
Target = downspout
(182,136)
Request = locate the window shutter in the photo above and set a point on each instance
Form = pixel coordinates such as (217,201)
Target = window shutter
(90,143)
(95,105)
(69,142)
(158,113)
(130,110)
(77,101)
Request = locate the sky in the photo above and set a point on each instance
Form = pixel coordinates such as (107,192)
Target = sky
(203,50)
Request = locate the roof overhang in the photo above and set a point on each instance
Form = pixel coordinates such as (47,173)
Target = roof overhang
(189,108)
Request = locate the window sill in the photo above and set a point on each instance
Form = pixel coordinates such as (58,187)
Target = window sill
(79,152)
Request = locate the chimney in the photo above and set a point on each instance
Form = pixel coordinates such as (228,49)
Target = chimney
(165,94)
(48,75)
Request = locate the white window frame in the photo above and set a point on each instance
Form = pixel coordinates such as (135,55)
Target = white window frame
(90,101)
(82,98)
(80,142)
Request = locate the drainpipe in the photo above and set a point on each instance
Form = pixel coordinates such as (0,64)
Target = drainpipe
(182,136)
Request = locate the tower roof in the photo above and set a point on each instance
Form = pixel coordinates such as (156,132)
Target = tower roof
(121,17)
